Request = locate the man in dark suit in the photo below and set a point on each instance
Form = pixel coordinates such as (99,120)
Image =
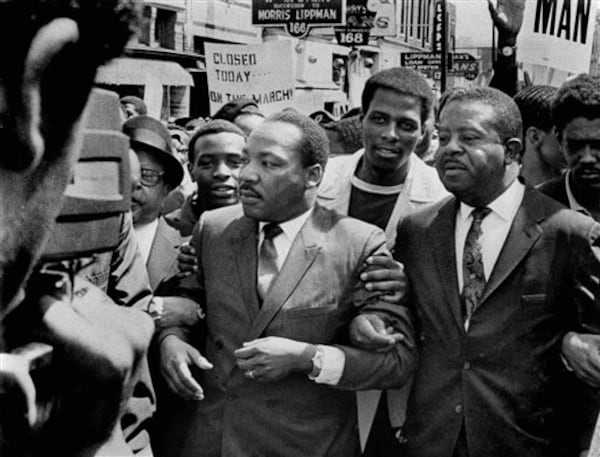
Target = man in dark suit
(498,274)
(576,115)
(278,306)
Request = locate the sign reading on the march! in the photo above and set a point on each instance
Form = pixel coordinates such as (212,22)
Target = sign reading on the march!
(558,34)
(429,63)
(262,72)
(297,16)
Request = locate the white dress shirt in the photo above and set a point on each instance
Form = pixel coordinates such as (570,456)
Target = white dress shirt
(333,359)
(494,228)
(144,235)
(283,241)
(573,203)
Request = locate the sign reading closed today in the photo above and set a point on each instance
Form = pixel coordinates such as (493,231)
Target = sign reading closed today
(261,72)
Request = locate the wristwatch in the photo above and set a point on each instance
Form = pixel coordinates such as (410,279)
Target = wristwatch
(156,308)
(317,364)
(507,51)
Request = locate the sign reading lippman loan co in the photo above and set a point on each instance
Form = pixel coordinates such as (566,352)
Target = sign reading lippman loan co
(262,72)
(558,34)
(297,16)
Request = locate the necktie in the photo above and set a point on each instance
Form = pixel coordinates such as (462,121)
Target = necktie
(267,259)
(473,275)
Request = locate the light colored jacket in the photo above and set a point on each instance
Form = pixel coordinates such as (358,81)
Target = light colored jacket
(421,187)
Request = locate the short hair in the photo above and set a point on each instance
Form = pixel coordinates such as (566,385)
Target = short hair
(137,102)
(507,123)
(535,105)
(577,97)
(402,80)
(230,110)
(349,131)
(314,144)
(209,128)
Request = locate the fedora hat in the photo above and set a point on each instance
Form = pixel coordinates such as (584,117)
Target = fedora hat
(153,136)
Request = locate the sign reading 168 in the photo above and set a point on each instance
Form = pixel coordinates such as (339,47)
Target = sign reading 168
(352,38)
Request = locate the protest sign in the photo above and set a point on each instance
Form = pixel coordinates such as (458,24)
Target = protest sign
(558,34)
(262,72)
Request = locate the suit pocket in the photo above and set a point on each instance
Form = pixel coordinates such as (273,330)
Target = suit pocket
(534,306)
(533,299)
(299,313)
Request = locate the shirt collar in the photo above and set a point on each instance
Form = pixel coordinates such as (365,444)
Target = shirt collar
(505,205)
(291,227)
(573,203)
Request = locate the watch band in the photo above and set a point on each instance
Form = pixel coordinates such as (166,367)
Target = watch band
(317,364)
(507,51)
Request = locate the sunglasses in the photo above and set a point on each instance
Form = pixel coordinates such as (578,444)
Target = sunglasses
(150,177)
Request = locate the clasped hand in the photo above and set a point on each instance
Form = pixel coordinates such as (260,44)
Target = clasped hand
(273,358)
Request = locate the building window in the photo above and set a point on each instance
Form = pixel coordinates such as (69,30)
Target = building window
(164,29)
(402,18)
(420,19)
(145,22)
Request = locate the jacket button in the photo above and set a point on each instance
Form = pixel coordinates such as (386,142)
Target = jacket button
(219,344)
(458,409)
(467,366)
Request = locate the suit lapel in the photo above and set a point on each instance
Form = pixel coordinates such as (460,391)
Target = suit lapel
(442,234)
(163,253)
(246,258)
(523,233)
(303,253)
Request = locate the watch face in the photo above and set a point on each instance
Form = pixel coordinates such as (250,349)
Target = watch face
(507,51)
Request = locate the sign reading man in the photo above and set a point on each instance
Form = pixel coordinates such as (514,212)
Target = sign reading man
(558,34)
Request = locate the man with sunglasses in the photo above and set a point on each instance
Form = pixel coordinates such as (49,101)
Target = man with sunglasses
(158,173)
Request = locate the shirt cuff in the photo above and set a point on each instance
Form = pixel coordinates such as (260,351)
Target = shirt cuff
(334,361)
(565,363)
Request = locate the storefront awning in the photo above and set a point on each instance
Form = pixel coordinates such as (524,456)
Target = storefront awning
(127,71)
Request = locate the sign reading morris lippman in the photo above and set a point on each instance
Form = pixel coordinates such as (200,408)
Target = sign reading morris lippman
(261,72)
(297,16)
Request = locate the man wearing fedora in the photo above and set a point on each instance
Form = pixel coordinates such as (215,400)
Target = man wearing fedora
(159,172)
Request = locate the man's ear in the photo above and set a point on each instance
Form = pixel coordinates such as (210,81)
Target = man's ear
(313,175)
(28,105)
(190,167)
(534,136)
(512,150)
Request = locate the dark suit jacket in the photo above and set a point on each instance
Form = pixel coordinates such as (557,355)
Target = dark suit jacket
(555,189)
(503,379)
(313,299)
(162,260)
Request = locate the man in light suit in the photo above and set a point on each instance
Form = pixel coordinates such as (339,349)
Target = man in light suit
(280,375)
(381,184)
(499,273)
